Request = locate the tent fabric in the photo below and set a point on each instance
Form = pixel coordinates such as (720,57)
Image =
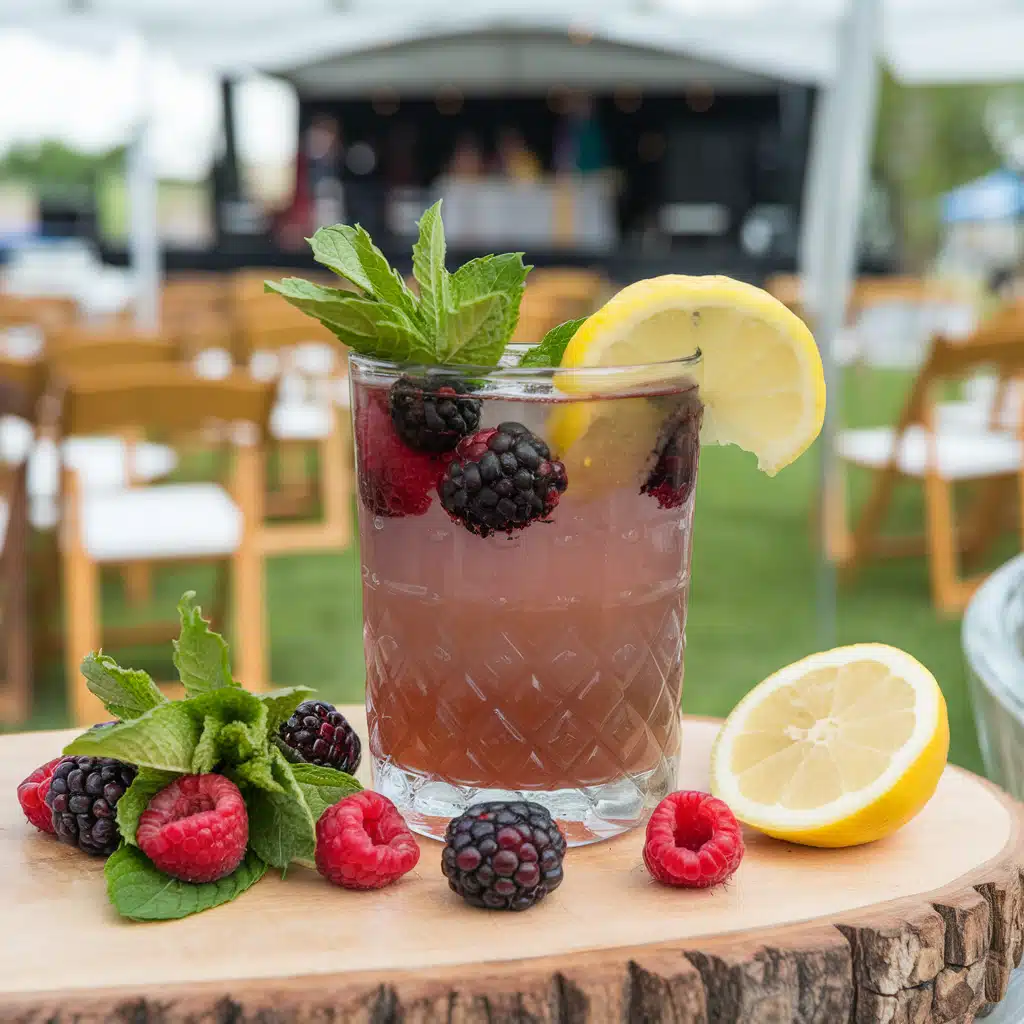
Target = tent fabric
(923,41)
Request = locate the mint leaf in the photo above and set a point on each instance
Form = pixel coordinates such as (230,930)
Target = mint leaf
(370,328)
(552,346)
(351,254)
(259,773)
(476,331)
(281,826)
(323,787)
(164,737)
(237,721)
(205,756)
(125,692)
(140,892)
(505,274)
(428,268)
(148,782)
(281,703)
(200,655)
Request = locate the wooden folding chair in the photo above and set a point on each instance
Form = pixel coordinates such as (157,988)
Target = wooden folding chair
(310,418)
(165,523)
(21,387)
(939,455)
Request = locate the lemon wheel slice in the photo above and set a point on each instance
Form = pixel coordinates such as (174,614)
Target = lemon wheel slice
(841,748)
(761,379)
(605,445)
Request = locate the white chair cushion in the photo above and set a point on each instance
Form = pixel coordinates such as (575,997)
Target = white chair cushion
(213,363)
(16,437)
(193,520)
(961,455)
(313,359)
(300,421)
(100,462)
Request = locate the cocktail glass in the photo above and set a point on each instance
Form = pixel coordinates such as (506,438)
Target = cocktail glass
(544,663)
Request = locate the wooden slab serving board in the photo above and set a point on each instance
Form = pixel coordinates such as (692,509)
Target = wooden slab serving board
(924,926)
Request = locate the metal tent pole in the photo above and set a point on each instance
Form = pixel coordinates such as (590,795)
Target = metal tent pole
(842,142)
(143,229)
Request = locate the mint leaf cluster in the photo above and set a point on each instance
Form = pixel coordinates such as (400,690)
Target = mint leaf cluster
(463,318)
(218,726)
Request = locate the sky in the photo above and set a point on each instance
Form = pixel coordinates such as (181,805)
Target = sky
(93,102)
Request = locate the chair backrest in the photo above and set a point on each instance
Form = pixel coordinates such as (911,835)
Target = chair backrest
(161,398)
(69,351)
(997,346)
(46,312)
(21,386)
(187,297)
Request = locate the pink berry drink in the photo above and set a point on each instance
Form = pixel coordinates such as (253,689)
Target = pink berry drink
(525,539)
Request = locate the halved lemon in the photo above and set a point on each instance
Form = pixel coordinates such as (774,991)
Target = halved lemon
(841,748)
(761,380)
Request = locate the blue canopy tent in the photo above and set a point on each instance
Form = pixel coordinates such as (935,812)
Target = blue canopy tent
(995,196)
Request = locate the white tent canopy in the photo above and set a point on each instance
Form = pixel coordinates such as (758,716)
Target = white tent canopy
(921,40)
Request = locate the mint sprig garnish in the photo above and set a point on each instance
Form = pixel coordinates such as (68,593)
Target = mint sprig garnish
(217,727)
(140,892)
(462,318)
(351,254)
(553,345)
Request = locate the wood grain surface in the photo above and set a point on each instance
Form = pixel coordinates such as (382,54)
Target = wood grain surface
(924,926)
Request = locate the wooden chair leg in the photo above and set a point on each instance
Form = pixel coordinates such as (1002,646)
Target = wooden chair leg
(870,521)
(137,578)
(249,636)
(336,472)
(15,706)
(81,612)
(942,548)
(984,521)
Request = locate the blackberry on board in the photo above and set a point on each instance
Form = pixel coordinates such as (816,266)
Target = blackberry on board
(318,733)
(83,797)
(434,413)
(501,479)
(503,855)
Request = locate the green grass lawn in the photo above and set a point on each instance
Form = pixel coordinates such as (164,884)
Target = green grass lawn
(752,607)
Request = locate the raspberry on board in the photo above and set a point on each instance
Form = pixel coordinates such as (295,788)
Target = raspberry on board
(693,841)
(32,796)
(362,842)
(318,733)
(503,855)
(195,829)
